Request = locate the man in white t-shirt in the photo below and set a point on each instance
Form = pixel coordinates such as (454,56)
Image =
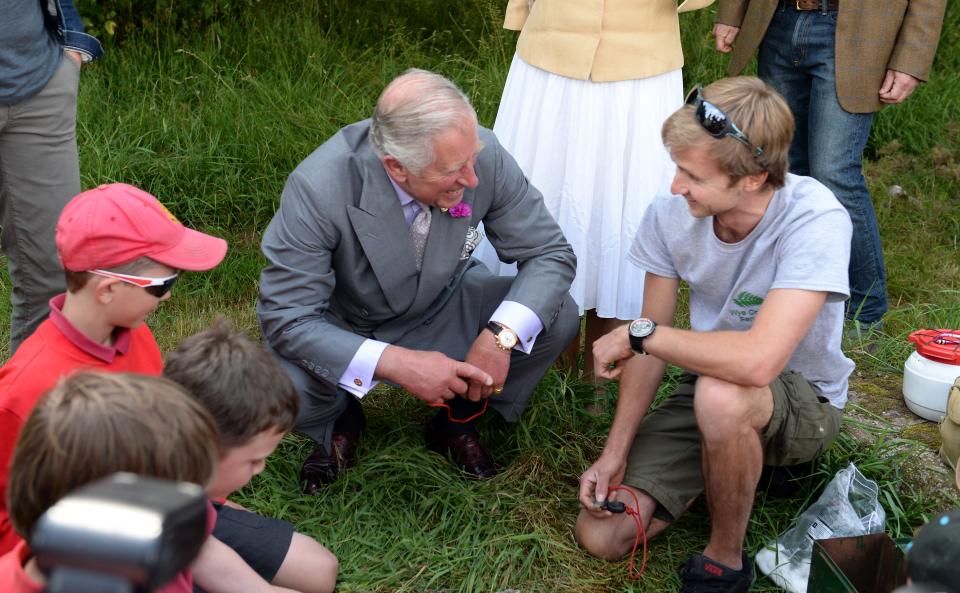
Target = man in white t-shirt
(765,256)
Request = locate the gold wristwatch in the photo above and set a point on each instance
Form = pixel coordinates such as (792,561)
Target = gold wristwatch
(506,338)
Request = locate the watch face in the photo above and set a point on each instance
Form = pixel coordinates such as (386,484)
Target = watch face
(507,339)
(641,328)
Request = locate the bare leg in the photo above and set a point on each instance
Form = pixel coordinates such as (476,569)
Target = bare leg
(308,567)
(568,359)
(611,536)
(596,327)
(730,418)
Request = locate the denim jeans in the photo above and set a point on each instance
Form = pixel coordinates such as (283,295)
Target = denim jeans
(797,58)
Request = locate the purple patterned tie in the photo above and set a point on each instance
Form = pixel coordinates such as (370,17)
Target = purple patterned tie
(419,229)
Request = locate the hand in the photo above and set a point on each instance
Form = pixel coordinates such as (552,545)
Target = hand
(75,56)
(486,355)
(725,36)
(609,351)
(595,483)
(897,86)
(430,376)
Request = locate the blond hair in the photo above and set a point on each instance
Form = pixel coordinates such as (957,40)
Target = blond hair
(91,425)
(761,114)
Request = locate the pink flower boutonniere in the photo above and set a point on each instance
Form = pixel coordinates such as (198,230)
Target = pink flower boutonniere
(460,210)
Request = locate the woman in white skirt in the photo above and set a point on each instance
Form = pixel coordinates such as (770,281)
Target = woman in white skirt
(588,90)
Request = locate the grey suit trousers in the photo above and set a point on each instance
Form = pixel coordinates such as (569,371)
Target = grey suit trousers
(451,330)
(39,174)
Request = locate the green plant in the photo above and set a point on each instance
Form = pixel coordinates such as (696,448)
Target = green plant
(116,20)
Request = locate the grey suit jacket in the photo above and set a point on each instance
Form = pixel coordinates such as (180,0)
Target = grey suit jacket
(340,259)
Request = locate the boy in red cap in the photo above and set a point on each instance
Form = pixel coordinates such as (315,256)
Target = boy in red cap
(122,252)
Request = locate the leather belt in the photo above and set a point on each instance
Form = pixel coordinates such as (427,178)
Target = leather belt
(811,4)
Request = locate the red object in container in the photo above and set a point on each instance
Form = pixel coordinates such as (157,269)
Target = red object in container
(940,345)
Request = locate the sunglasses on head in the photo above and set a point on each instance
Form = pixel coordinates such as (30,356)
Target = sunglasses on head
(155,286)
(716,123)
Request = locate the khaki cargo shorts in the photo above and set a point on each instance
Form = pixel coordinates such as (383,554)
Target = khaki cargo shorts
(664,460)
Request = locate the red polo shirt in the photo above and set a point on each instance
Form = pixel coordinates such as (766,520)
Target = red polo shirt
(13,578)
(55,349)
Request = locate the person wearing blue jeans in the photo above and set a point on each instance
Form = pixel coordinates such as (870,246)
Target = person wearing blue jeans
(42,45)
(837,62)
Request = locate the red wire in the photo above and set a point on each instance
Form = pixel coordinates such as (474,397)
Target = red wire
(464,420)
(641,531)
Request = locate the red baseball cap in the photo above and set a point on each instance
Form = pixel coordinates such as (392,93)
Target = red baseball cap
(117,223)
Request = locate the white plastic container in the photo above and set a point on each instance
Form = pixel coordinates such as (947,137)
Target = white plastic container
(930,371)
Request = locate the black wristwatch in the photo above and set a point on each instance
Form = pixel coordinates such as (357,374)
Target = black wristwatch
(638,330)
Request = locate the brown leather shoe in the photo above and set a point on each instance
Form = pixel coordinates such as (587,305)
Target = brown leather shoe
(323,468)
(466,451)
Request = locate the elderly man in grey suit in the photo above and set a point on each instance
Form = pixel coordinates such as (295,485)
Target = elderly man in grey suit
(370,276)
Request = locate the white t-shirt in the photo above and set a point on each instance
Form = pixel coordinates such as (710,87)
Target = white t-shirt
(802,242)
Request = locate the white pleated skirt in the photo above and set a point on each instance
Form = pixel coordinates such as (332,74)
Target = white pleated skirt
(594,150)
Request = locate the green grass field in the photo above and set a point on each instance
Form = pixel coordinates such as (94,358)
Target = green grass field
(212,120)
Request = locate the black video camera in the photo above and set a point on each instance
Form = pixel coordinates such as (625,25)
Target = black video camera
(122,534)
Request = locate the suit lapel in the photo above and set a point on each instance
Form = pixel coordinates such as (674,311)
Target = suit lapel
(382,231)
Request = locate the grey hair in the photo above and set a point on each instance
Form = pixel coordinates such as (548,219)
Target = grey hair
(403,126)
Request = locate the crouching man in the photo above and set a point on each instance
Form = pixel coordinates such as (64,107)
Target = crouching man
(765,255)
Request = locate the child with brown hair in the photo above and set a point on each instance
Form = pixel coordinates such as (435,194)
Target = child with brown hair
(253,403)
(92,425)
(122,252)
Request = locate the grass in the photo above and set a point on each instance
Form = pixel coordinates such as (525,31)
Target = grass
(212,121)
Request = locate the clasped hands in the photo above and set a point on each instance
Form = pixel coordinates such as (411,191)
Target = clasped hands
(435,377)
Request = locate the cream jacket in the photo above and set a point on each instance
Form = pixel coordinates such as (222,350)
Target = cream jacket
(600,40)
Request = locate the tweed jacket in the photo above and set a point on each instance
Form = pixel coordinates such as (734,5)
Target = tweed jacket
(600,40)
(340,259)
(872,36)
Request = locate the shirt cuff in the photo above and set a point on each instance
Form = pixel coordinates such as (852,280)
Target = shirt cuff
(522,320)
(358,378)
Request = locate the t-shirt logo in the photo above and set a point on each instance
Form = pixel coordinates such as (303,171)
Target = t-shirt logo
(748,299)
(747,306)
